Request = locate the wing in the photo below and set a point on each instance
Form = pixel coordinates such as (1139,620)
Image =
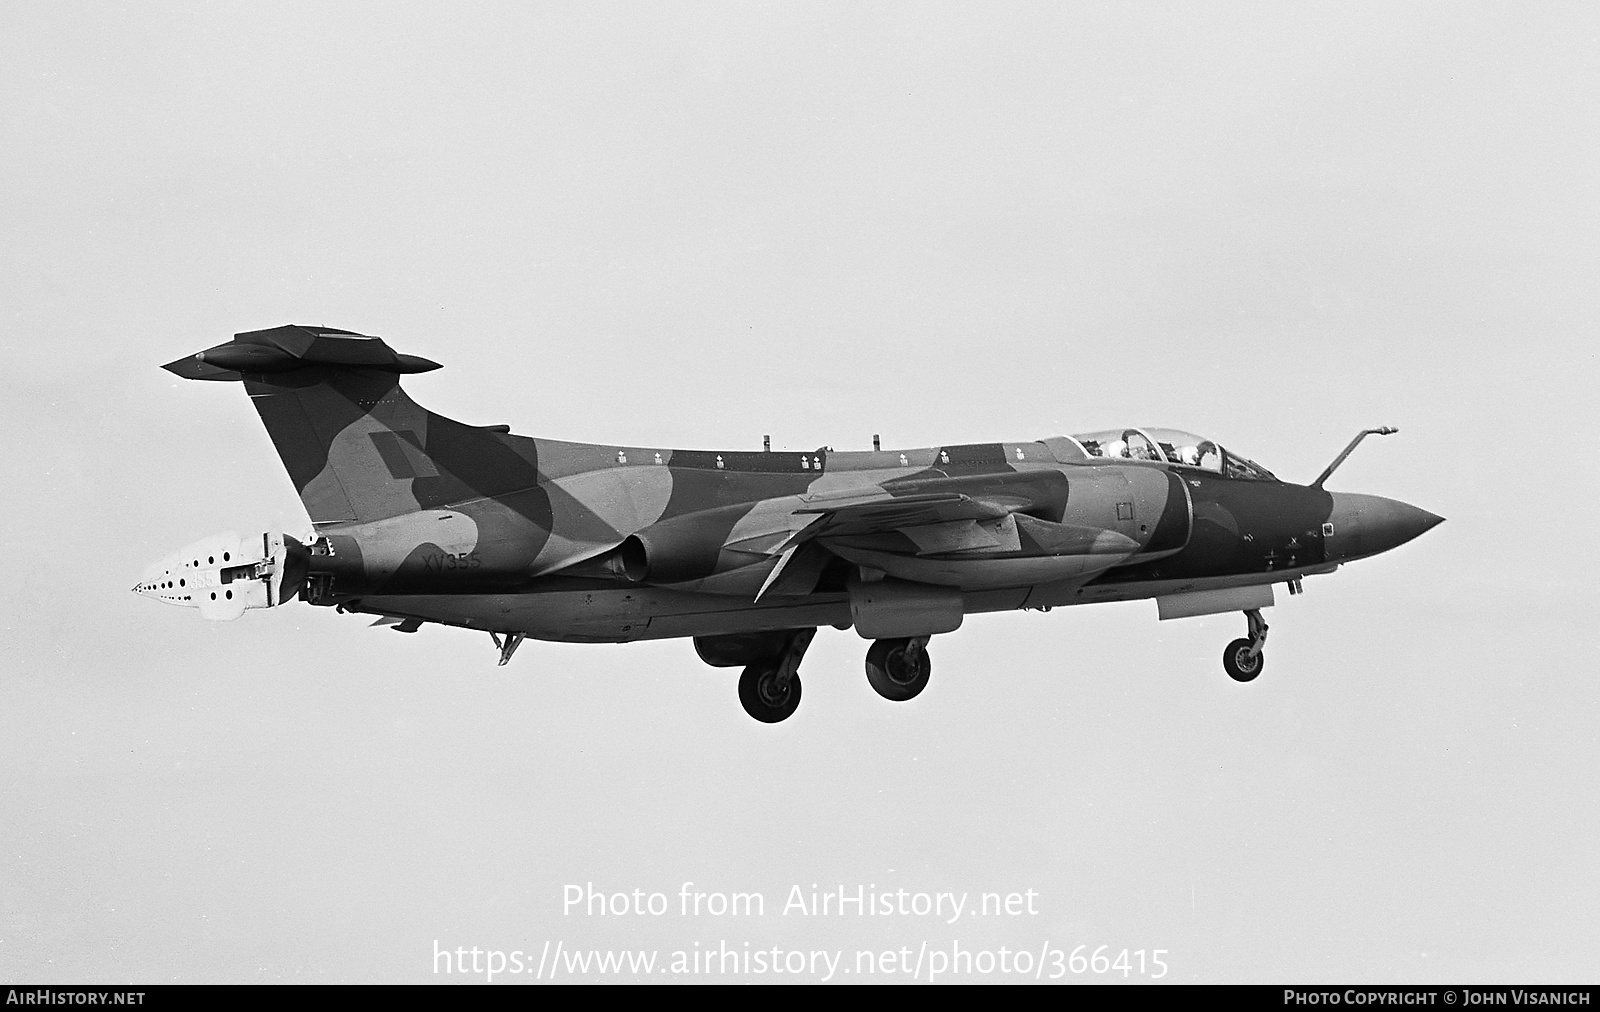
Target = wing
(888,513)
(903,506)
(938,515)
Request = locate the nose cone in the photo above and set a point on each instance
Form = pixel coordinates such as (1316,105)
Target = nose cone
(1368,524)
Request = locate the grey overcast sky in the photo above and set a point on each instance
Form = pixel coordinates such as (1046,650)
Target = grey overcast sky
(693,224)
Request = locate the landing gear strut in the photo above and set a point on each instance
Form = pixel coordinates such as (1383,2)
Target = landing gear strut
(898,669)
(769,689)
(1244,658)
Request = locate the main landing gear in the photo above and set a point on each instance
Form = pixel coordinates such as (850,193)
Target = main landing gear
(769,689)
(898,669)
(1244,658)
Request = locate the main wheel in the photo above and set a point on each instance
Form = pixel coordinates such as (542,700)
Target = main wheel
(761,695)
(897,672)
(1241,667)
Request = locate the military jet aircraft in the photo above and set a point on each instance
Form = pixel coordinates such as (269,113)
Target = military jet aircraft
(419,518)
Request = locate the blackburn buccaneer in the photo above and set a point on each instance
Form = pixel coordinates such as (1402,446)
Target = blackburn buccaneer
(419,518)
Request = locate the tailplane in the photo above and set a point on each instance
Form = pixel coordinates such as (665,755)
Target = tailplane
(356,447)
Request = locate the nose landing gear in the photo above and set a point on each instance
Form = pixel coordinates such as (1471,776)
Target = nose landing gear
(1244,659)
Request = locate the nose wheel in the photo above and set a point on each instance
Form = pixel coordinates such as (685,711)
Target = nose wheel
(898,669)
(1244,658)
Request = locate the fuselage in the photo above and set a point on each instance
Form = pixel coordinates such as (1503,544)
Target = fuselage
(526,562)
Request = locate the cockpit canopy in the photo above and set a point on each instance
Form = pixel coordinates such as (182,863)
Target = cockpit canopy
(1174,447)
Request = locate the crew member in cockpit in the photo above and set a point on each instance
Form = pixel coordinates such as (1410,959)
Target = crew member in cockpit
(1138,447)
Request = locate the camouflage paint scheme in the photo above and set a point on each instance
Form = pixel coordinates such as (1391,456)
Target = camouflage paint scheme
(422,518)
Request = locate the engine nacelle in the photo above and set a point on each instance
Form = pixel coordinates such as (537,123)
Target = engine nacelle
(225,574)
(684,548)
(1150,506)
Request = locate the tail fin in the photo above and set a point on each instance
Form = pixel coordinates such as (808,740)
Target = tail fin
(355,446)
